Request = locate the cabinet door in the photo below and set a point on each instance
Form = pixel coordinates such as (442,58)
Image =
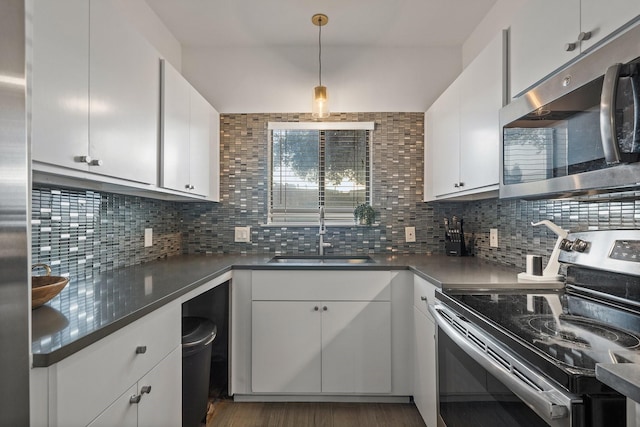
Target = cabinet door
(162,406)
(124,98)
(60,82)
(425,369)
(121,413)
(214,163)
(176,95)
(356,347)
(444,120)
(537,40)
(200,143)
(285,353)
(481,97)
(602,18)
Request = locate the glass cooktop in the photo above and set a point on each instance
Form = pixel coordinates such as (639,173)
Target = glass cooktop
(545,322)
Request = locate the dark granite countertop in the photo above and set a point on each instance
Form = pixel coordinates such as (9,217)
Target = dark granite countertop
(88,310)
(622,377)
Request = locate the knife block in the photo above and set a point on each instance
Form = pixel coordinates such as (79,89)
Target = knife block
(455,248)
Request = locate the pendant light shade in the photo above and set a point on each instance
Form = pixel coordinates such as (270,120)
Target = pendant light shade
(320,106)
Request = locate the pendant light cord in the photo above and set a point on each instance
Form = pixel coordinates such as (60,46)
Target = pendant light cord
(320,50)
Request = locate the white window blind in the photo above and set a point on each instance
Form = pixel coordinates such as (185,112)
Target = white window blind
(318,167)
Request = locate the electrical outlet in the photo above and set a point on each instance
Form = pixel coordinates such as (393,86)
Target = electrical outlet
(148,237)
(243,234)
(493,238)
(409,234)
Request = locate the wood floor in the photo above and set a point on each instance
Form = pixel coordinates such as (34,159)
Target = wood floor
(226,413)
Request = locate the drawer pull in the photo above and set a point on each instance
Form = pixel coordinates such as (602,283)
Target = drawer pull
(316,308)
(145,389)
(325,308)
(135,399)
(141,349)
(423,298)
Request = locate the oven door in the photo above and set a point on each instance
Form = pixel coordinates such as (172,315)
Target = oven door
(482,383)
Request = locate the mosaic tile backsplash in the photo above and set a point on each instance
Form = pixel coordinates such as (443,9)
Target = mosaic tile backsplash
(84,232)
(79,233)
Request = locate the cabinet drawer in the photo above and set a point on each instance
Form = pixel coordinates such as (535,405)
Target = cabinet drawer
(84,384)
(422,288)
(314,285)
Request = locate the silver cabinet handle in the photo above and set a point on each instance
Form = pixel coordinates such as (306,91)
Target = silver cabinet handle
(135,399)
(96,162)
(83,159)
(570,47)
(456,185)
(145,389)
(584,35)
(608,114)
(141,349)
(461,184)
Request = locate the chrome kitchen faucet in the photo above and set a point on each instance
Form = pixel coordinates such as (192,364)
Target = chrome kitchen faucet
(321,233)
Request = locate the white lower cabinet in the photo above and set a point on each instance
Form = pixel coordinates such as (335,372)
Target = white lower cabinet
(321,347)
(321,332)
(92,386)
(425,389)
(152,401)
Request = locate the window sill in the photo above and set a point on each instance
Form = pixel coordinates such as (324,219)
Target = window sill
(327,224)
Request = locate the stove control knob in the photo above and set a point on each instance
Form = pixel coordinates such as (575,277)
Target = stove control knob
(579,245)
(566,245)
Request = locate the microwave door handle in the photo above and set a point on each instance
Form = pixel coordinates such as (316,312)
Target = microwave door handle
(608,114)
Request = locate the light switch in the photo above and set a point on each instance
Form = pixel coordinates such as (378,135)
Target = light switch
(148,237)
(409,234)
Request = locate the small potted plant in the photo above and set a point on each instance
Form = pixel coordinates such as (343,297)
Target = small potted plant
(364,214)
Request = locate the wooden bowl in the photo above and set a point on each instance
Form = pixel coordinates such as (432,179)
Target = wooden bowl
(43,288)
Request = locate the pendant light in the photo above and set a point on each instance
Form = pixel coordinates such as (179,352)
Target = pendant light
(320,107)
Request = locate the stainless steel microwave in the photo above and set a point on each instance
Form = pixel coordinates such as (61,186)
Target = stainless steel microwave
(579,131)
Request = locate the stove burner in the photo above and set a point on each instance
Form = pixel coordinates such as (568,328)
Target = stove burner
(578,332)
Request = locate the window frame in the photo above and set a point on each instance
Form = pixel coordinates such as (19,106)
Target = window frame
(316,126)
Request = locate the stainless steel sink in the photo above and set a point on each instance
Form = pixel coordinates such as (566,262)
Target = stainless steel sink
(326,259)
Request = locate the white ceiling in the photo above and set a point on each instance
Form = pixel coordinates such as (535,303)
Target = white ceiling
(260,56)
(388,23)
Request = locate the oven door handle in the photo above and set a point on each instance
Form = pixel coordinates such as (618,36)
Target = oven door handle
(547,403)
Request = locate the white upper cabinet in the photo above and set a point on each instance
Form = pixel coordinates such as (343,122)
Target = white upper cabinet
(482,90)
(176,101)
(60,83)
(95,96)
(200,144)
(538,40)
(547,34)
(124,97)
(443,125)
(602,18)
(188,136)
(462,129)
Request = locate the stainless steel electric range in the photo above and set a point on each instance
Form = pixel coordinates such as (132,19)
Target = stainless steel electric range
(527,357)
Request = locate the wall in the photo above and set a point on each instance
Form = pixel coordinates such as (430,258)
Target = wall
(153,29)
(81,233)
(498,18)
(396,178)
(358,78)
(517,237)
(84,232)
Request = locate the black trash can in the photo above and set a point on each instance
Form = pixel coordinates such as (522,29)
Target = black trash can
(197,335)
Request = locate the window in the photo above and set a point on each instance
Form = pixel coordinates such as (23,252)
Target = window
(318,164)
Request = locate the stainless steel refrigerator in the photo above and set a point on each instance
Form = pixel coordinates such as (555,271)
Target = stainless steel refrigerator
(14,232)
